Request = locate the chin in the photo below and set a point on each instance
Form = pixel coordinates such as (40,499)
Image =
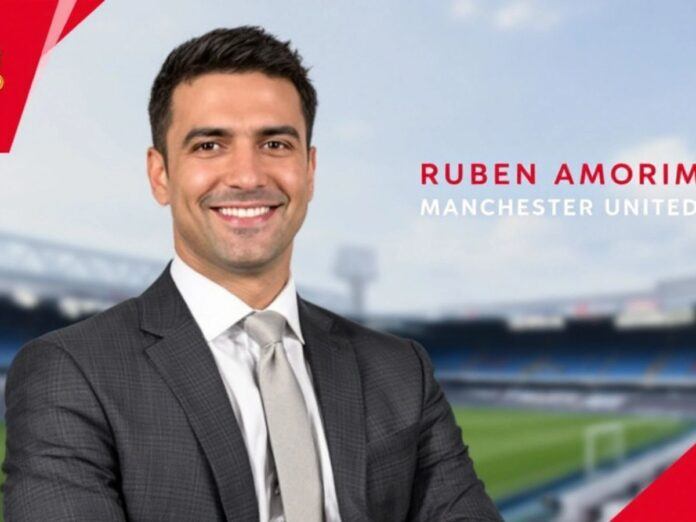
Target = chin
(246,264)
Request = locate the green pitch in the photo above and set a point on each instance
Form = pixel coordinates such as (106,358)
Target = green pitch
(514,450)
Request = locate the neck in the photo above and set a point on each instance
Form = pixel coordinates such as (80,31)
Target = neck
(258,289)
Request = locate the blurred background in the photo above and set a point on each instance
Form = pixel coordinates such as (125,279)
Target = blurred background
(566,345)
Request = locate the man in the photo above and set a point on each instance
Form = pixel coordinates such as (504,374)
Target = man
(219,394)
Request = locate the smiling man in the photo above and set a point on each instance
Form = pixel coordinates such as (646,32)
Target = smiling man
(238,173)
(219,393)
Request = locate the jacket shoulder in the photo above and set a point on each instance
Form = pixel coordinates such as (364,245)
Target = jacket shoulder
(104,330)
(355,331)
(371,345)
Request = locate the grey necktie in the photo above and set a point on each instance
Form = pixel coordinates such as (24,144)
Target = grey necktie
(296,458)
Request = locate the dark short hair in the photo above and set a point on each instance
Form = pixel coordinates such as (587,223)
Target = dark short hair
(241,49)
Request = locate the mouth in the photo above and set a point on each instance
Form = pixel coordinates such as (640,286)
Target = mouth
(247,215)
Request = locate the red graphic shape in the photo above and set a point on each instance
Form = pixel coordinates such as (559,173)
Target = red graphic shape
(24,27)
(82,9)
(671,497)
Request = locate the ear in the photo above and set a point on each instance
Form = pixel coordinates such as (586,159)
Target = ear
(157,174)
(311,167)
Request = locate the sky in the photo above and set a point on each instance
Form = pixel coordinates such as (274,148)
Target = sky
(399,83)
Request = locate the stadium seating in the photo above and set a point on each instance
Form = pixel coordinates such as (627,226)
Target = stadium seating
(611,363)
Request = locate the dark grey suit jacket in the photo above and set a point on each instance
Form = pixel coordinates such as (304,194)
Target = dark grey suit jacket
(124,416)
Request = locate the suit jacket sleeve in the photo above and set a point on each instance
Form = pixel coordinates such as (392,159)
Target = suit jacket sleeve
(446,487)
(60,463)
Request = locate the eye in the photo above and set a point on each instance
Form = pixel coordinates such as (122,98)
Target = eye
(206,146)
(275,145)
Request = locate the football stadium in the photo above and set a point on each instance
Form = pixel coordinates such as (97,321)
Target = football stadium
(569,407)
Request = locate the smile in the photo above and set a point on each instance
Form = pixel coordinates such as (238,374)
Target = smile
(246,216)
(243,212)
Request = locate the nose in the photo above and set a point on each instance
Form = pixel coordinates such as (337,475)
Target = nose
(244,170)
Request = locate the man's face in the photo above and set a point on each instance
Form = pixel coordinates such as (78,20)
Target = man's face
(239,176)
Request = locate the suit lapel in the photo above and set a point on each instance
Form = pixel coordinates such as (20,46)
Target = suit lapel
(183,359)
(337,384)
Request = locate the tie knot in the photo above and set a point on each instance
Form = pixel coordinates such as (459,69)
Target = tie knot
(265,327)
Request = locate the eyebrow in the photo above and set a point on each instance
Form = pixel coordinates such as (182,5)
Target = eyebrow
(222,132)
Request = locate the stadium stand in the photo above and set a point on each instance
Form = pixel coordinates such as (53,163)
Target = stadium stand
(588,366)
(584,352)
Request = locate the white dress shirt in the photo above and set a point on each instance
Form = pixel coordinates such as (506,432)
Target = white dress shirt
(219,315)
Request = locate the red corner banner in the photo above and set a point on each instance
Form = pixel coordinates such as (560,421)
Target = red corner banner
(671,497)
(28,30)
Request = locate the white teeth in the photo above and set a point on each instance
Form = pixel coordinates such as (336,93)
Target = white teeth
(243,212)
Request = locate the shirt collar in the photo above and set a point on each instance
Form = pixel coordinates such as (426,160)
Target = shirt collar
(216,309)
